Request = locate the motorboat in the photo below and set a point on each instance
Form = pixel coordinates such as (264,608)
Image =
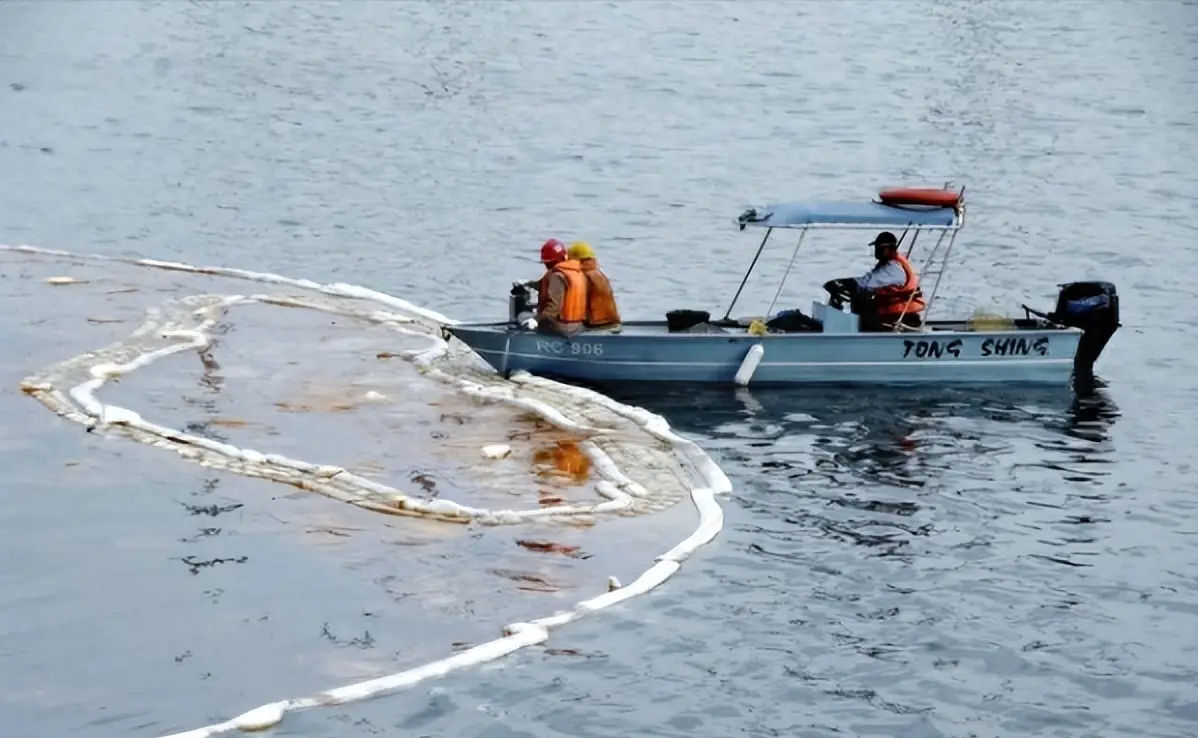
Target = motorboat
(829,346)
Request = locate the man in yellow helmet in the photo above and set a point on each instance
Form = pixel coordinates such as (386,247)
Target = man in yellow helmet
(601,303)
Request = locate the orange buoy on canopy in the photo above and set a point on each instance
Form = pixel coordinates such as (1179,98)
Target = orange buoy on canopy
(929,196)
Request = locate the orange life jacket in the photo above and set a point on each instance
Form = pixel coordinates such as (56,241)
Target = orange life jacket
(890,302)
(601,303)
(574,304)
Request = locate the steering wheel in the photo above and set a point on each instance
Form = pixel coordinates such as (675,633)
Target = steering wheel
(837,292)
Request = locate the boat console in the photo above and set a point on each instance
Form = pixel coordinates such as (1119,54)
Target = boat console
(833,320)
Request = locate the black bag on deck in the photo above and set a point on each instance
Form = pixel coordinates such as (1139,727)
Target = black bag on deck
(678,321)
(794,321)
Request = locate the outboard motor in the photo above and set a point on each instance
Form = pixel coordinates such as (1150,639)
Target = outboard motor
(1093,307)
(519,304)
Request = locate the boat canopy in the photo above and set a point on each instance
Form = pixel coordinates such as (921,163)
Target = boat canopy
(848,215)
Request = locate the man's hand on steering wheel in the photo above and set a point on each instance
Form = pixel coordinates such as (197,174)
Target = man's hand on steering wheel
(840,287)
(840,291)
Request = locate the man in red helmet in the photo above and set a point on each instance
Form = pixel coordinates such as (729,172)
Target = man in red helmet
(561,291)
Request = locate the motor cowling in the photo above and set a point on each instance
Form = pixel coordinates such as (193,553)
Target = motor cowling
(519,304)
(1093,307)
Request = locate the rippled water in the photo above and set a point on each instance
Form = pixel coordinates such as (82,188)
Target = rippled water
(947,564)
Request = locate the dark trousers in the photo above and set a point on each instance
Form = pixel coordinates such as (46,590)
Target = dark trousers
(551,327)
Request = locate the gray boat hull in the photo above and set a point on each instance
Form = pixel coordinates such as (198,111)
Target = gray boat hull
(647,352)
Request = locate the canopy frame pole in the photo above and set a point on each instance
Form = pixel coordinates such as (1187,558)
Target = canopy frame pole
(940,273)
(960,213)
(750,217)
(757,256)
(944,260)
(914,238)
(924,271)
(789,266)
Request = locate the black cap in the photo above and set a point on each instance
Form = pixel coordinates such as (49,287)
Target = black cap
(885,238)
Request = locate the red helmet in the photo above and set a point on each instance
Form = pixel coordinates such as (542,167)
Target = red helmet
(553,251)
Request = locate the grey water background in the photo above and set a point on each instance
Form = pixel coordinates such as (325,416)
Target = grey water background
(945,564)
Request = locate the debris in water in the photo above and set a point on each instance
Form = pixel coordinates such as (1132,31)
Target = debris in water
(427,483)
(64,280)
(497,451)
(324,399)
(528,581)
(105,320)
(229,422)
(332,530)
(564,460)
(550,547)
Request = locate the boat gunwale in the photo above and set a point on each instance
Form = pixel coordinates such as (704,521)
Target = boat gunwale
(510,328)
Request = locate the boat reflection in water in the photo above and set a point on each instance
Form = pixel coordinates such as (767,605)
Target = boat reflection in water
(897,465)
(706,411)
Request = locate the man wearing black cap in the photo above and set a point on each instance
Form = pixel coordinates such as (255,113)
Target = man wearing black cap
(887,291)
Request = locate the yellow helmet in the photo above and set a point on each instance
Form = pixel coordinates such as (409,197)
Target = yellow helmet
(581,250)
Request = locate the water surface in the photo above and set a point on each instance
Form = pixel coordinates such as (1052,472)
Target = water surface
(921,565)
